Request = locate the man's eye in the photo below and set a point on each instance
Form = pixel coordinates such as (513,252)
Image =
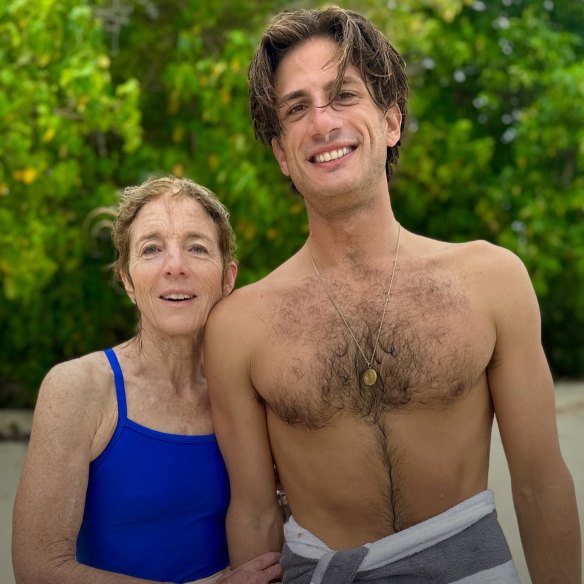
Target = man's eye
(345,96)
(296,109)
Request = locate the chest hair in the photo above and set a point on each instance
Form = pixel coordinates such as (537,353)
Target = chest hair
(427,354)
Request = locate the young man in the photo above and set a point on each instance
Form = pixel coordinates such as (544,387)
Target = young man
(369,365)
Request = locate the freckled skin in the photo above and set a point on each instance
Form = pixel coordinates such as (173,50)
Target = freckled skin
(174,248)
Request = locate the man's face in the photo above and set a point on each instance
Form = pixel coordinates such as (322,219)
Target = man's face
(336,149)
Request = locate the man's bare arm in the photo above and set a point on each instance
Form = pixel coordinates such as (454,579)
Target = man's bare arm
(523,396)
(254,520)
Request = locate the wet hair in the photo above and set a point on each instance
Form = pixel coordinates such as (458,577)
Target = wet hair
(135,198)
(360,43)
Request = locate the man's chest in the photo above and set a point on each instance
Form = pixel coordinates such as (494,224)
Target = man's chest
(431,348)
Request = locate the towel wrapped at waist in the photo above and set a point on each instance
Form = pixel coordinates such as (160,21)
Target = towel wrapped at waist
(463,545)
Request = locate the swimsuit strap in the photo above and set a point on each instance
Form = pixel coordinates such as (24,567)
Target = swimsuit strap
(120,387)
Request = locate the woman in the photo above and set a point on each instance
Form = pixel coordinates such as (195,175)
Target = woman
(123,480)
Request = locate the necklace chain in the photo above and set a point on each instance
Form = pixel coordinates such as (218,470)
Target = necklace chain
(370,375)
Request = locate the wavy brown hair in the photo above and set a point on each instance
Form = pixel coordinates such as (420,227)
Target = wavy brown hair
(361,44)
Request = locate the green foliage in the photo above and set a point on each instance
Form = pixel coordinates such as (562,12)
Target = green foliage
(64,128)
(97,95)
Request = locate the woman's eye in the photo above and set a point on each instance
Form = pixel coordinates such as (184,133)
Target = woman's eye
(150,250)
(199,249)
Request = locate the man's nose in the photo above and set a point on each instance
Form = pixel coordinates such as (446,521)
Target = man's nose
(324,121)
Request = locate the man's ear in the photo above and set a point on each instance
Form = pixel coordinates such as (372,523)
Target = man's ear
(128,286)
(229,278)
(280,156)
(394,120)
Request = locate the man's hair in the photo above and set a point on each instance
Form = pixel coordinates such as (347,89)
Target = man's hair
(135,198)
(361,44)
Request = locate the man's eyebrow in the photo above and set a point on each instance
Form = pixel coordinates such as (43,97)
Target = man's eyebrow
(283,99)
(347,80)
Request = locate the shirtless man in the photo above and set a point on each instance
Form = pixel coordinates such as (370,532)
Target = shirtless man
(369,366)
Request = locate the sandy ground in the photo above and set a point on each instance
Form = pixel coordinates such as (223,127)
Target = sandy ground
(570,415)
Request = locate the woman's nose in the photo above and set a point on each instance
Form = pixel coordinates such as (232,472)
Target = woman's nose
(175,264)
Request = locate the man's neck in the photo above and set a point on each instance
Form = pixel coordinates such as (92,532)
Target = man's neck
(363,235)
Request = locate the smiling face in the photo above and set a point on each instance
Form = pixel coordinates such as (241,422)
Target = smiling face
(175,268)
(330,144)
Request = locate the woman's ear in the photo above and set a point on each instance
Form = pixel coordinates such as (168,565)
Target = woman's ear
(229,278)
(128,286)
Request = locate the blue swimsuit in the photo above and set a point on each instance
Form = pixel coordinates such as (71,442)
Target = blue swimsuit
(156,503)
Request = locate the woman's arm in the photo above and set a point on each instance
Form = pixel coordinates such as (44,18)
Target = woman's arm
(73,421)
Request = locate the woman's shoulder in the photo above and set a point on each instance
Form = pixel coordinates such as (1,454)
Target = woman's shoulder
(76,401)
(91,367)
(80,382)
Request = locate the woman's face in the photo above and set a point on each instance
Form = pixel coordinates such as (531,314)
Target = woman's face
(175,268)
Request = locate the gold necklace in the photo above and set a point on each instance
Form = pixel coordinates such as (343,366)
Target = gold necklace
(369,376)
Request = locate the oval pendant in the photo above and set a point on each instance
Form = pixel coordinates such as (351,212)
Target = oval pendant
(369,377)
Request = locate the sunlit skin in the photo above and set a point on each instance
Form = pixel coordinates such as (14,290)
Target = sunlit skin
(175,271)
(175,276)
(460,341)
(317,124)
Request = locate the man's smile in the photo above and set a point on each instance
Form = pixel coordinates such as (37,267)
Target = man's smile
(332,154)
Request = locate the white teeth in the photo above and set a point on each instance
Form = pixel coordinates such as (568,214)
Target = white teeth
(177,297)
(326,156)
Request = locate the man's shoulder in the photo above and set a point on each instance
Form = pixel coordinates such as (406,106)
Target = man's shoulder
(270,288)
(246,296)
(481,256)
(472,256)
(248,311)
(485,270)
